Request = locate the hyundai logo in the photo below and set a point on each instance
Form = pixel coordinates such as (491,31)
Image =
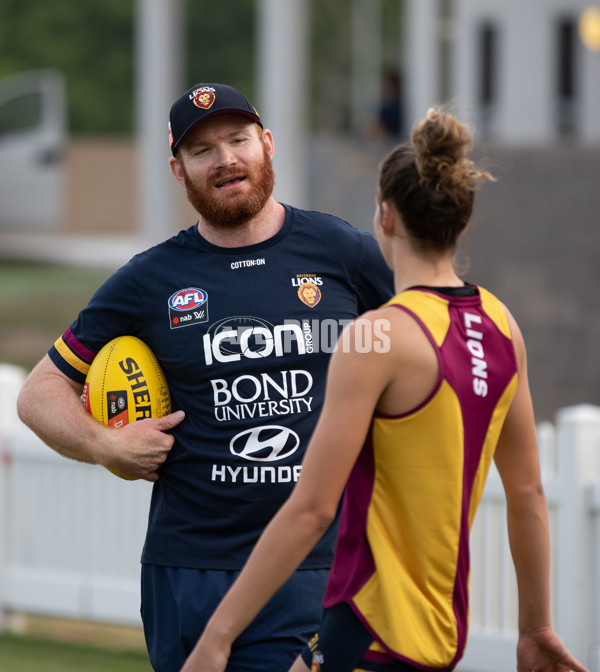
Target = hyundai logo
(269,443)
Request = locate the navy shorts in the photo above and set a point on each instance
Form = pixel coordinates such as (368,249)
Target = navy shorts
(341,646)
(176,604)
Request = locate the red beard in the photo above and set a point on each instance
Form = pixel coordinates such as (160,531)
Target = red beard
(232,209)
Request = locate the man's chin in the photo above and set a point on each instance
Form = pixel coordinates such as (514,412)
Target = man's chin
(226,224)
(228,218)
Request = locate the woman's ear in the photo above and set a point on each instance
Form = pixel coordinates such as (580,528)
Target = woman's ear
(388,218)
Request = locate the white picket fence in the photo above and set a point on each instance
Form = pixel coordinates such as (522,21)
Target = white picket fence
(71,536)
(570,461)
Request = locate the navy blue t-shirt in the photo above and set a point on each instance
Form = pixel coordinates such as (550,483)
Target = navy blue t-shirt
(243,335)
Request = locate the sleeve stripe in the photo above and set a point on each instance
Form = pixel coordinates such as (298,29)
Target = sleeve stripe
(79,349)
(67,354)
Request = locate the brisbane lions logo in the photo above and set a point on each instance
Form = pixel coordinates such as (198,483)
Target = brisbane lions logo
(309,294)
(203,98)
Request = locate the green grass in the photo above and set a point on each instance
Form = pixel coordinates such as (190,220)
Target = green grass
(37,303)
(19,653)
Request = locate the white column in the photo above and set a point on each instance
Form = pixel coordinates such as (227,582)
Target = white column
(159,47)
(463,78)
(282,92)
(588,84)
(527,114)
(366,61)
(422,64)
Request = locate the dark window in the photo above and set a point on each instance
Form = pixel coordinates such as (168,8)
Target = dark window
(446,12)
(565,76)
(22,113)
(487,84)
(487,74)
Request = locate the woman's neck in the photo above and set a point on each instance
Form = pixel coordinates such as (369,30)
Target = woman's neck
(430,269)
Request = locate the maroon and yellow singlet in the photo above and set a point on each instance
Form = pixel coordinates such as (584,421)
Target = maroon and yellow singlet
(402,559)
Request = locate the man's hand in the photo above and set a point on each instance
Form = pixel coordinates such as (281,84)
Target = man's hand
(139,449)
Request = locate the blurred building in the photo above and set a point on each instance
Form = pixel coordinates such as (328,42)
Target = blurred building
(518,70)
(526,75)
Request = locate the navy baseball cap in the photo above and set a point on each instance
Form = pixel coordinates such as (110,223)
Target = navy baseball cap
(203,101)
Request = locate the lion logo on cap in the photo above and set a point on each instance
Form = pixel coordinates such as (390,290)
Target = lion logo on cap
(203,98)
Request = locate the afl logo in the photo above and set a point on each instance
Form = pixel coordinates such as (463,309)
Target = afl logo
(269,443)
(188,299)
(204,98)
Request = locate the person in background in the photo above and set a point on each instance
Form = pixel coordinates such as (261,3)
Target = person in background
(406,436)
(389,119)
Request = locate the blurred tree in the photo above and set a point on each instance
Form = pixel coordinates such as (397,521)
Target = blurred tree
(90,42)
(330,68)
(331,58)
(220,43)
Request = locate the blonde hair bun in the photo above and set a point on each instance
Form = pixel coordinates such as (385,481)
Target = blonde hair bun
(441,143)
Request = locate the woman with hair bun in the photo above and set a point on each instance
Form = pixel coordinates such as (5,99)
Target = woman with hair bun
(421,395)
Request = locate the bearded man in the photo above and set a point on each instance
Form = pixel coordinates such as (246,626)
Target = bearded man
(218,305)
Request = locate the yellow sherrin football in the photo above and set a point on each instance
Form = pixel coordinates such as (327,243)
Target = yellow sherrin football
(124,384)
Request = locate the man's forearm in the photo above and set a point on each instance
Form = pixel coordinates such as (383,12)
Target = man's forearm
(51,407)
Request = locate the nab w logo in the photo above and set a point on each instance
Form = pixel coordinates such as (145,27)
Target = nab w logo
(269,443)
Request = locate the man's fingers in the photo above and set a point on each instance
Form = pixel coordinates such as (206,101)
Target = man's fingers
(169,421)
(152,477)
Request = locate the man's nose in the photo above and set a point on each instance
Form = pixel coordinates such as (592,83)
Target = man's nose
(225,156)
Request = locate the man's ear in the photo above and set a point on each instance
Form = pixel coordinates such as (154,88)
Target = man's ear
(269,142)
(177,169)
